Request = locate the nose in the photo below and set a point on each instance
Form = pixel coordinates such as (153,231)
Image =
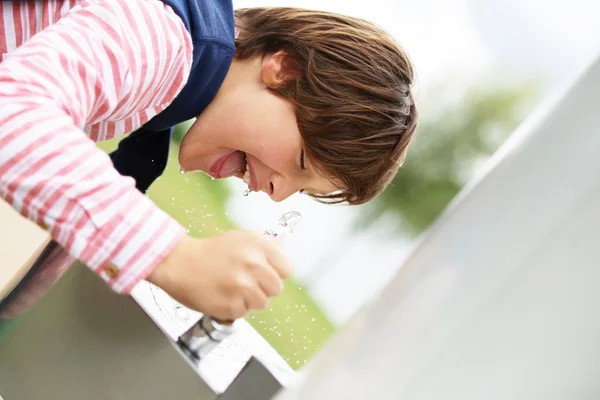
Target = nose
(279,189)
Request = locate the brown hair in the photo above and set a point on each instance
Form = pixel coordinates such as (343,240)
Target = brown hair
(351,87)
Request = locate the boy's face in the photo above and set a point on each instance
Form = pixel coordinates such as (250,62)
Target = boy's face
(248,129)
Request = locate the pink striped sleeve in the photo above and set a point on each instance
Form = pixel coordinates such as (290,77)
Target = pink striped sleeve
(106,60)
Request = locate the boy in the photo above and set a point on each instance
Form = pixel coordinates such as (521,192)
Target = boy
(288,100)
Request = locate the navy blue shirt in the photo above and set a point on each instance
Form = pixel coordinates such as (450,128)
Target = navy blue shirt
(143,154)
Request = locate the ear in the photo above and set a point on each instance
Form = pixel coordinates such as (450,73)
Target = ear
(278,69)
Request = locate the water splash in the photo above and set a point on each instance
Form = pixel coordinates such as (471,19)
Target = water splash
(286,225)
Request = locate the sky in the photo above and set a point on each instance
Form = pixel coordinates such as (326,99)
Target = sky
(464,42)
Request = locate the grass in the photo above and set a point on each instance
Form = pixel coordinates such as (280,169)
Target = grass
(294,325)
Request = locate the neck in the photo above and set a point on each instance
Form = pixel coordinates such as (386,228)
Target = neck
(241,73)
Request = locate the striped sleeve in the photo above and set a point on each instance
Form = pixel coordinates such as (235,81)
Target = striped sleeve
(105,60)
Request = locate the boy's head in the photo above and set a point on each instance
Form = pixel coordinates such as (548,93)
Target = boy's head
(314,101)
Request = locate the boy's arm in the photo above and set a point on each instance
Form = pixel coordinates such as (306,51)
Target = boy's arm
(105,60)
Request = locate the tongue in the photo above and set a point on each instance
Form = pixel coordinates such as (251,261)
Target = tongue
(235,163)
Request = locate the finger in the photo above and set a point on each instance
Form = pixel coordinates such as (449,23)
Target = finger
(233,310)
(255,298)
(277,258)
(268,279)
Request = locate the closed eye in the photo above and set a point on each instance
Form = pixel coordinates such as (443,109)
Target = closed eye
(302,166)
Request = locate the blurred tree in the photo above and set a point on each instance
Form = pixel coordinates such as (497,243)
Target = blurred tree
(449,144)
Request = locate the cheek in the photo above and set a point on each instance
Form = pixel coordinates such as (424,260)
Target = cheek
(278,148)
(276,155)
(264,126)
(278,134)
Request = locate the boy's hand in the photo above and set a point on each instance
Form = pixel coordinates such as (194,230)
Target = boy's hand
(224,276)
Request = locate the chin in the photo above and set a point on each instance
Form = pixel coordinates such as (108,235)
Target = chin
(189,164)
(189,167)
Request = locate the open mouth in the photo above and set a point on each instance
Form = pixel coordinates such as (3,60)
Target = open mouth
(233,164)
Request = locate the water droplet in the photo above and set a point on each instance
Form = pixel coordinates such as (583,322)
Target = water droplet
(247,191)
(212,179)
(285,225)
(181,171)
(314,319)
